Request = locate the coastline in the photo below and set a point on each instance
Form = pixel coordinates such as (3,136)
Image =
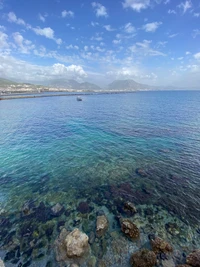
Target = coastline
(18,96)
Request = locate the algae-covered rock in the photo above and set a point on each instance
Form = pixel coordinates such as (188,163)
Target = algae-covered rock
(129,229)
(101,225)
(160,246)
(143,258)
(129,208)
(76,243)
(83,207)
(194,258)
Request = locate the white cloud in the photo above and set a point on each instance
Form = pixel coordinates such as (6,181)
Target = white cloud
(2,28)
(71,27)
(195,33)
(144,49)
(72,47)
(151,27)
(66,13)
(167,2)
(97,37)
(193,68)
(180,58)
(161,44)
(129,28)
(136,5)
(132,72)
(24,46)
(1,4)
(72,70)
(99,49)
(116,41)
(197,56)
(171,11)
(86,48)
(18,69)
(124,72)
(48,33)
(94,24)
(100,10)
(187,53)
(185,6)
(13,18)
(3,40)
(108,28)
(196,15)
(42,18)
(173,35)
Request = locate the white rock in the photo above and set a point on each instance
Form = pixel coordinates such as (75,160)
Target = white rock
(102,225)
(57,208)
(76,243)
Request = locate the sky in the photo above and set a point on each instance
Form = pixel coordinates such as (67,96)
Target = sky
(156,42)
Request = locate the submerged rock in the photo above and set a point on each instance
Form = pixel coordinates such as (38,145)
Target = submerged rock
(76,243)
(57,210)
(168,263)
(183,265)
(71,245)
(101,225)
(172,228)
(28,207)
(60,248)
(83,207)
(159,245)
(129,229)
(143,258)
(129,208)
(141,172)
(1,263)
(194,258)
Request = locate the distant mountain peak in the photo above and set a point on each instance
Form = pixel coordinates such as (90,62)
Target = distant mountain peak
(127,85)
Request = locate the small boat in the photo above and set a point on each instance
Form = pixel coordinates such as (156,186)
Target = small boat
(79,98)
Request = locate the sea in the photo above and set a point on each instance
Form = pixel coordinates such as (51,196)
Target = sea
(91,157)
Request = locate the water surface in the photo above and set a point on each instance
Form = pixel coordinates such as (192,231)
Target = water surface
(58,150)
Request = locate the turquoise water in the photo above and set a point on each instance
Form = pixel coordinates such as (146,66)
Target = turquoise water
(58,150)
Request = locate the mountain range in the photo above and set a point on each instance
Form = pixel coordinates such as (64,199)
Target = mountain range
(118,85)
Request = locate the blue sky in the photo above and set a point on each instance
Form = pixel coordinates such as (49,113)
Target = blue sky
(150,41)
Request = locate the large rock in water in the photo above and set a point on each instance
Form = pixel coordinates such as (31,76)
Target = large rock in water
(129,229)
(76,243)
(71,246)
(102,225)
(194,258)
(143,258)
(160,246)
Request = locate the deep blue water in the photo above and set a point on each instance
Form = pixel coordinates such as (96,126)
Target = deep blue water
(59,150)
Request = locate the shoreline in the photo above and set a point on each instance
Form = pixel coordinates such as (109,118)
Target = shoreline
(61,93)
(12,97)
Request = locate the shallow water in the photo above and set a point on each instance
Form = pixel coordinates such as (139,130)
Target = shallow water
(58,150)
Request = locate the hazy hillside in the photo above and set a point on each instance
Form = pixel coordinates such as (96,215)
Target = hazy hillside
(127,85)
(5,82)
